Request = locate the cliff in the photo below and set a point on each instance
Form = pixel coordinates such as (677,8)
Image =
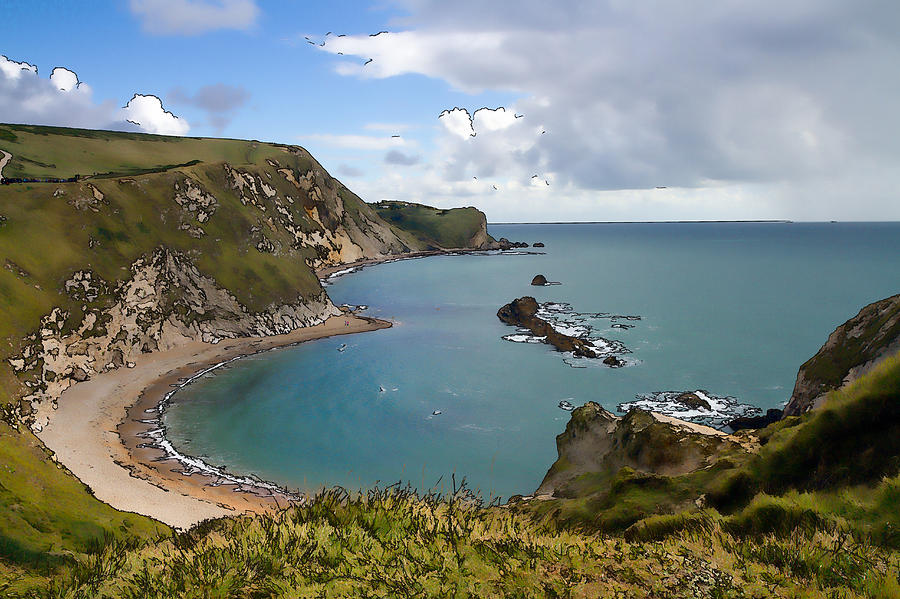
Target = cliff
(115,244)
(853,349)
(151,241)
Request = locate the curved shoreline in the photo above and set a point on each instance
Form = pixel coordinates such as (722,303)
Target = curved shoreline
(96,431)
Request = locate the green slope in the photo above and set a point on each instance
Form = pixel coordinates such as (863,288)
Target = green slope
(437,228)
(124,207)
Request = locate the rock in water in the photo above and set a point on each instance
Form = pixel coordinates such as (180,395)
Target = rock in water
(613,362)
(538,244)
(522,312)
(539,280)
(692,400)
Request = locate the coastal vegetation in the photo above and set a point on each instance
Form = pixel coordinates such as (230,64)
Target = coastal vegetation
(166,239)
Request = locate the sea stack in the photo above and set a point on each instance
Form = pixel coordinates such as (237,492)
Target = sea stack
(539,280)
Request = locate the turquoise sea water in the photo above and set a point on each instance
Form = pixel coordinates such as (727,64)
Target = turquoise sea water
(730,308)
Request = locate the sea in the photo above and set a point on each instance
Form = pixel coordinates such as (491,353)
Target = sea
(728,311)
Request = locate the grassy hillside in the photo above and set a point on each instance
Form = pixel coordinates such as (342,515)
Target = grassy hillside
(437,228)
(813,512)
(392,544)
(256,218)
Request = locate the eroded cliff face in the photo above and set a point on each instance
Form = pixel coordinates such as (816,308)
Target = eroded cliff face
(597,444)
(165,303)
(222,247)
(852,350)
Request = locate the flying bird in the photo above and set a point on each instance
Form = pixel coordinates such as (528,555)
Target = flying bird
(368,61)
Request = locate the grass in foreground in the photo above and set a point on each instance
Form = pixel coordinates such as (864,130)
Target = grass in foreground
(390,543)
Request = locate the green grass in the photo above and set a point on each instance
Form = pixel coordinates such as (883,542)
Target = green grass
(49,231)
(49,517)
(452,228)
(390,543)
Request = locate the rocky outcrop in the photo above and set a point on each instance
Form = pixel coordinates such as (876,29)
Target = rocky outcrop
(539,280)
(522,312)
(166,302)
(692,400)
(537,244)
(505,244)
(597,442)
(755,422)
(853,349)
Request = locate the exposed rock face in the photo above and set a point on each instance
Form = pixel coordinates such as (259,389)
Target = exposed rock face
(596,441)
(853,349)
(522,313)
(166,302)
(539,280)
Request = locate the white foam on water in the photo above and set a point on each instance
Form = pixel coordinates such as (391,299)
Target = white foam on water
(193,465)
(723,408)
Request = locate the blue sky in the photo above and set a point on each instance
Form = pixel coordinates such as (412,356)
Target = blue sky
(627,111)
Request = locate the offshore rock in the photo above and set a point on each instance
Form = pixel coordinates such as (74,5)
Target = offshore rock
(539,280)
(522,312)
(692,400)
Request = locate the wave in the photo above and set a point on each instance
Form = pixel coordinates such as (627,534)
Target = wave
(685,406)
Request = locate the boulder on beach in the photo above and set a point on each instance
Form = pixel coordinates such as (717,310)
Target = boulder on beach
(539,280)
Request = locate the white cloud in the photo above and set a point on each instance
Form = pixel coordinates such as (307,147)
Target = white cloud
(147,112)
(780,101)
(359,142)
(13,70)
(64,79)
(458,122)
(62,100)
(487,119)
(191,17)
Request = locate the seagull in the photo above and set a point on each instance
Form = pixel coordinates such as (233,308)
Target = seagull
(367,62)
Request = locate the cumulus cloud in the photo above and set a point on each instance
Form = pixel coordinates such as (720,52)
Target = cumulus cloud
(191,17)
(147,112)
(64,79)
(13,70)
(458,122)
(768,96)
(62,100)
(218,101)
(399,158)
(25,97)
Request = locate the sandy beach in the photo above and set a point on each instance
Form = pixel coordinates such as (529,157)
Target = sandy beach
(96,431)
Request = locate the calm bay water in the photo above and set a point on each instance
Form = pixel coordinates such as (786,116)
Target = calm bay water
(730,308)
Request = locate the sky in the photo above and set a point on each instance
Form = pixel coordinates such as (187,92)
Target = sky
(594,110)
